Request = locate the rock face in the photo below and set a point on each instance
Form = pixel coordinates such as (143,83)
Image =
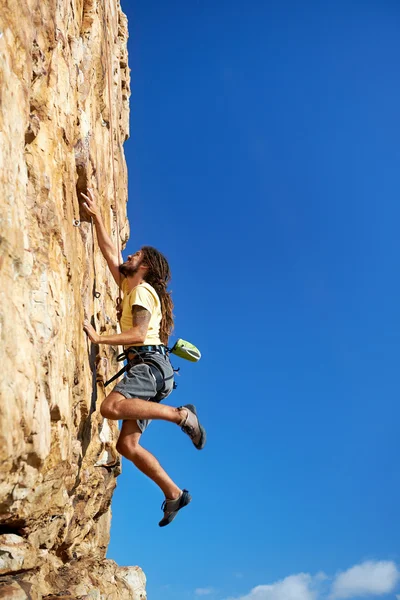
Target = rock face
(64,92)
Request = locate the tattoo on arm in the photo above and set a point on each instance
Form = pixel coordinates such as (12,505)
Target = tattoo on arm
(140,318)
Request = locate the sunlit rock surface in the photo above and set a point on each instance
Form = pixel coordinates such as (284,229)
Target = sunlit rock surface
(58,134)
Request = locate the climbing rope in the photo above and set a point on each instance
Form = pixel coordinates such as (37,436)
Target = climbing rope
(115,206)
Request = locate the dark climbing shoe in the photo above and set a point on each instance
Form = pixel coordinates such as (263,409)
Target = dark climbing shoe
(171,507)
(191,426)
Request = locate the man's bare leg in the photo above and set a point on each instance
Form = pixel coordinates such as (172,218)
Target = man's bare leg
(128,446)
(117,407)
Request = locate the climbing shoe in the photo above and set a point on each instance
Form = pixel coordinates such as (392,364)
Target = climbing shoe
(191,426)
(171,507)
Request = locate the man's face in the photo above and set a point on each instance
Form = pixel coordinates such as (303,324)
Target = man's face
(132,264)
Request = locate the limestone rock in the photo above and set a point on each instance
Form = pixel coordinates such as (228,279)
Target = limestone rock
(16,554)
(64,90)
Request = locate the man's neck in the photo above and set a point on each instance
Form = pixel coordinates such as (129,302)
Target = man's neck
(133,281)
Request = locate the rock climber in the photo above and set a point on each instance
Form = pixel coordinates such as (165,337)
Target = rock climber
(146,323)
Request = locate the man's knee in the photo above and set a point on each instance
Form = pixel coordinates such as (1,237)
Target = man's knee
(127,445)
(109,409)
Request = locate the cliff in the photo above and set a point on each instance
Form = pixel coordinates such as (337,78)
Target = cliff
(64,93)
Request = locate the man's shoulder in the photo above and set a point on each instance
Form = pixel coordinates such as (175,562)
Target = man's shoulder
(144,287)
(147,286)
(150,290)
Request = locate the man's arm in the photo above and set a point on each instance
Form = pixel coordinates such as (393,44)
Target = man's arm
(136,335)
(106,246)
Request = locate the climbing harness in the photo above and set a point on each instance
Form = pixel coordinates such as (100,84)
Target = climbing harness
(133,355)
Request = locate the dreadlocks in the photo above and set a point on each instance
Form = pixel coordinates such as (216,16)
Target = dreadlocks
(159,276)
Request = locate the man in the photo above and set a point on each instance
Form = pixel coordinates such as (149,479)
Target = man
(146,323)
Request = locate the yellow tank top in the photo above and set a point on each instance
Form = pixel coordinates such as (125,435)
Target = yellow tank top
(142,295)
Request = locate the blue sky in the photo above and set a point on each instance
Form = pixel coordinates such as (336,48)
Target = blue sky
(263,161)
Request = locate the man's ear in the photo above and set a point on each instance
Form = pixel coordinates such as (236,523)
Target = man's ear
(144,267)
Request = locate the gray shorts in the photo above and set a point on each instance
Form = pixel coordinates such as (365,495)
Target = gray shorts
(139,382)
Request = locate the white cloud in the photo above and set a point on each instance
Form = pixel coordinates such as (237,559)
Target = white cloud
(294,587)
(204,591)
(369,578)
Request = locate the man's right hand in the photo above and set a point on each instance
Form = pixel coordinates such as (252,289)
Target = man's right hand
(90,204)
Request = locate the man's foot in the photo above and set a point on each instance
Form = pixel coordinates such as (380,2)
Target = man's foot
(191,426)
(171,507)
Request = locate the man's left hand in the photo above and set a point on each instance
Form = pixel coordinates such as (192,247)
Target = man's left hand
(91,332)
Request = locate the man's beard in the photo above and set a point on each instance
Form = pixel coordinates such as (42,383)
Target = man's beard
(127,270)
